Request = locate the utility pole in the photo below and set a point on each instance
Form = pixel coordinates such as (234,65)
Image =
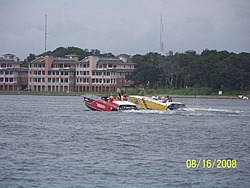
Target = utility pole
(45,32)
(161,42)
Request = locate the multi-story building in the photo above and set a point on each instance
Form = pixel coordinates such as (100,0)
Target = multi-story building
(53,74)
(12,76)
(96,74)
(92,74)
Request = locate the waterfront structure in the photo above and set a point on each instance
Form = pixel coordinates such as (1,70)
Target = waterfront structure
(12,76)
(53,74)
(97,74)
(92,74)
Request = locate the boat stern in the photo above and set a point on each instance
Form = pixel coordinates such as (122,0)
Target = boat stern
(174,105)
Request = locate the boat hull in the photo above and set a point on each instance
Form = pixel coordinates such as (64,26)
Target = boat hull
(138,101)
(150,103)
(103,105)
(99,105)
(155,105)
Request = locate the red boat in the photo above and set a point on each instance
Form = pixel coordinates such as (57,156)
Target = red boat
(102,104)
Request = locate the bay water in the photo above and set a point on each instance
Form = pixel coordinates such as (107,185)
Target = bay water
(55,141)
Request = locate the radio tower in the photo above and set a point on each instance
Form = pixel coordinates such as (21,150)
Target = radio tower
(161,43)
(45,31)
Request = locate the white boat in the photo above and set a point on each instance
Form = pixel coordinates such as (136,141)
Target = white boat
(243,97)
(151,103)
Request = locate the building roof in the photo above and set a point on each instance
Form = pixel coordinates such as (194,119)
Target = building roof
(38,59)
(113,62)
(21,69)
(124,55)
(113,70)
(8,55)
(3,60)
(72,55)
(63,69)
(63,60)
(55,60)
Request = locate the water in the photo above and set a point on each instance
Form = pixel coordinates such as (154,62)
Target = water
(54,141)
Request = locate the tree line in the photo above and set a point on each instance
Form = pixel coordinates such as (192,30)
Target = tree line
(62,51)
(213,69)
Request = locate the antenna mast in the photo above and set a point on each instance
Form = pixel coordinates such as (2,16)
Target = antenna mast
(45,31)
(161,42)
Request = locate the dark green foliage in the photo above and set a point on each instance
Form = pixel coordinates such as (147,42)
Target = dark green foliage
(62,51)
(218,70)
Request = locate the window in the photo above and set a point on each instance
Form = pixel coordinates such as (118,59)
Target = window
(93,80)
(93,73)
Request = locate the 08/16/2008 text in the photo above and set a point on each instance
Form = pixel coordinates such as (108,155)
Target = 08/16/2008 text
(208,163)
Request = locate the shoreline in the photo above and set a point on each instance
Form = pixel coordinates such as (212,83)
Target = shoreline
(80,94)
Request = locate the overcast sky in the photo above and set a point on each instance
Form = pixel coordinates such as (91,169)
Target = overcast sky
(124,26)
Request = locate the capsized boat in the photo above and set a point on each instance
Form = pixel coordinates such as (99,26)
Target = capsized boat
(102,104)
(151,103)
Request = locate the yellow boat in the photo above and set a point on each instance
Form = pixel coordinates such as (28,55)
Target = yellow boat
(151,103)
(138,100)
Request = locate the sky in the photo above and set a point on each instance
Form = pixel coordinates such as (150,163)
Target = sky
(124,26)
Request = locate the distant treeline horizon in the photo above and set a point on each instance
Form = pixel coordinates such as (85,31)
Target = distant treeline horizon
(213,69)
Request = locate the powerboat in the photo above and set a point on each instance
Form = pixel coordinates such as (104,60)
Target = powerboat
(152,103)
(242,97)
(103,104)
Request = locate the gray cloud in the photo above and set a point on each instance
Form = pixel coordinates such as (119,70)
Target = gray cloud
(124,26)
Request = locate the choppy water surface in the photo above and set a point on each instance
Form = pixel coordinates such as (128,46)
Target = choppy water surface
(49,141)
